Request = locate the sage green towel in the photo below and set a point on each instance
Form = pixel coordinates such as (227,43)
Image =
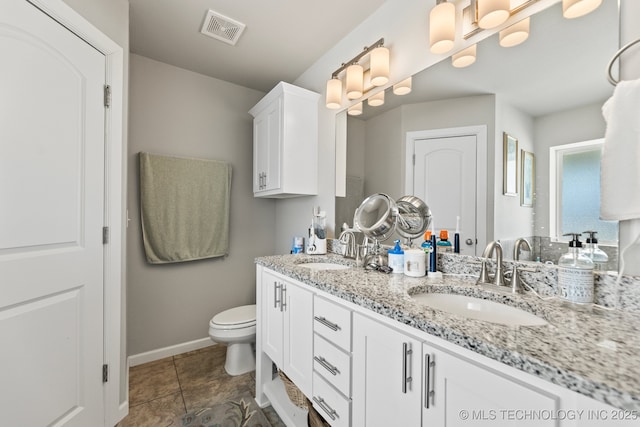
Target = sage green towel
(184,207)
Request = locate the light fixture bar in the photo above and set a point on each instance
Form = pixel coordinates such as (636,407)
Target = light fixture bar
(366,50)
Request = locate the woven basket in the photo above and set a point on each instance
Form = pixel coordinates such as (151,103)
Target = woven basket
(314,418)
(294,393)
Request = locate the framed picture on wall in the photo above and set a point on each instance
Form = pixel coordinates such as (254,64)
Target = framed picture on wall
(510,166)
(527,181)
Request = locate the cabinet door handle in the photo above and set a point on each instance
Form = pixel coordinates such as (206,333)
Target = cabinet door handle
(264,180)
(276,301)
(325,322)
(428,390)
(326,365)
(283,297)
(406,365)
(326,408)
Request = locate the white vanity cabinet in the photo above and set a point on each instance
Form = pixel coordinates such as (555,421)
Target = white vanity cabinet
(459,392)
(387,375)
(400,380)
(286,327)
(332,361)
(285,143)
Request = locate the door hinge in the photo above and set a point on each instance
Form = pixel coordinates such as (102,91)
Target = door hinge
(107,96)
(105,373)
(414,159)
(105,235)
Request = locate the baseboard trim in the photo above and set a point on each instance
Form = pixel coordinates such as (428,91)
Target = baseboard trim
(161,353)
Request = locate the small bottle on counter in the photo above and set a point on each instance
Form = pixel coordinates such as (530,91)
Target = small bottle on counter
(426,247)
(396,258)
(593,252)
(444,245)
(575,274)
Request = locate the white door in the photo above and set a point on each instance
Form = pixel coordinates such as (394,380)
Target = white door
(444,176)
(51,217)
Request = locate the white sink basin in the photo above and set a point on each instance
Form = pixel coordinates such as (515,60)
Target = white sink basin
(323,266)
(479,309)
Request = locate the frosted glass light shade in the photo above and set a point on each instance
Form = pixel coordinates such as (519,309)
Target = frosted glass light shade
(403,87)
(355,110)
(355,74)
(465,57)
(379,66)
(515,34)
(577,8)
(377,99)
(334,94)
(492,13)
(442,28)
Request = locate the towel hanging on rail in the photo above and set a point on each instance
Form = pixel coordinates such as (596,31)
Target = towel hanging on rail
(620,165)
(184,208)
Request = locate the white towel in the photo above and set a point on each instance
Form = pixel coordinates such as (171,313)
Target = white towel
(620,166)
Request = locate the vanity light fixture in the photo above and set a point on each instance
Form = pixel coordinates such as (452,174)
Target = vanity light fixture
(378,73)
(442,27)
(479,15)
(334,93)
(355,110)
(577,8)
(492,13)
(377,99)
(355,81)
(403,87)
(465,57)
(516,33)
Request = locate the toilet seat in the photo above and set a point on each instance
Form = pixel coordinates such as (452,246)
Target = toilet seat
(235,318)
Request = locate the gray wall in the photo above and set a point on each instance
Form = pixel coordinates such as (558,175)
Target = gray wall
(181,113)
(511,220)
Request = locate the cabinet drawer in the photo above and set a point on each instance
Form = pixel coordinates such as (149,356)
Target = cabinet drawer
(332,364)
(333,322)
(334,407)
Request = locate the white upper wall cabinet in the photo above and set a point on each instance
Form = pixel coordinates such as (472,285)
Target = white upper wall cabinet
(285,143)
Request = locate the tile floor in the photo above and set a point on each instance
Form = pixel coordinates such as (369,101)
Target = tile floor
(161,390)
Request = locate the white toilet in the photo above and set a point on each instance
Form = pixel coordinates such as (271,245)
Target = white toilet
(236,327)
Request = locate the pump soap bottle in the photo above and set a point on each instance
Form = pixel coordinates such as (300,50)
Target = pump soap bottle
(396,258)
(592,251)
(575,274)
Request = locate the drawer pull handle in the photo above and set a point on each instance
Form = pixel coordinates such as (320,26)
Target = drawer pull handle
(326,365)
(326,408)
(406,365)
(325,322)
(283,297)
(429,391)
(276,288)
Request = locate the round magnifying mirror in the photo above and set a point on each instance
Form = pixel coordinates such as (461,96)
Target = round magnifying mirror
(376,216)
(414,217)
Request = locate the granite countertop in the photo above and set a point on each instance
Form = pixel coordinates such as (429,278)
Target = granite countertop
(587,349)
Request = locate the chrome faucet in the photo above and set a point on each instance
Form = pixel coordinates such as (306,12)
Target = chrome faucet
(516,247)
(349,239)
(496,247)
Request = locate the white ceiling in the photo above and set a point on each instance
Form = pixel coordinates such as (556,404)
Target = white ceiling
(281,40)
(560,66)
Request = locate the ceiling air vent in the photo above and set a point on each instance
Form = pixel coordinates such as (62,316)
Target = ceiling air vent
(222,28)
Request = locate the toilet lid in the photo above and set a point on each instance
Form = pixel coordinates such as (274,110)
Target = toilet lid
(236,315)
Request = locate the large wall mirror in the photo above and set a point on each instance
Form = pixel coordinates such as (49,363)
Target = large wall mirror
(545,93)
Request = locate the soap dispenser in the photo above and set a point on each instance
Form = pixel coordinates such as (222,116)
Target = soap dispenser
(575,274)
(396,258)
(592,251)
